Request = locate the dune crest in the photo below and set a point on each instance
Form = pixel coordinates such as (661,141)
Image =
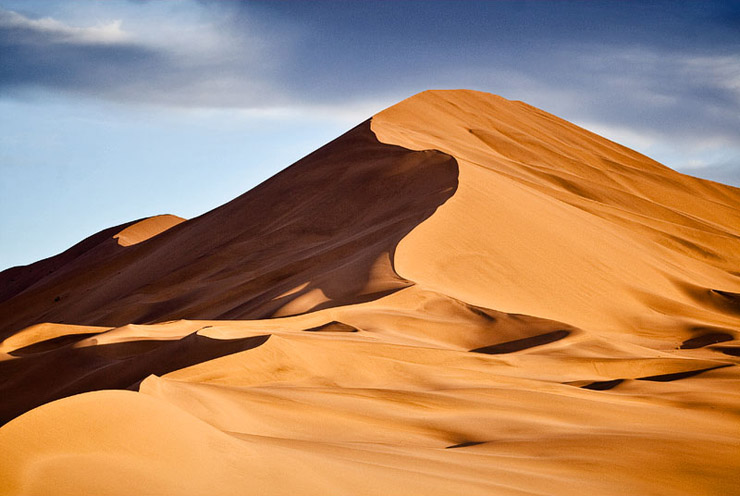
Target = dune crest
(147,228)
(462,295)
(327,225)
(554,221)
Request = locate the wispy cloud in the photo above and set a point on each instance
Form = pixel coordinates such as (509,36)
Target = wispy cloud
(46,53)
(48,30)
(187,65)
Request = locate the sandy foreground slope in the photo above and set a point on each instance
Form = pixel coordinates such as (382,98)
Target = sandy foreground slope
(464,295)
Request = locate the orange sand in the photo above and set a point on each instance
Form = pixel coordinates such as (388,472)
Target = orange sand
(527,309)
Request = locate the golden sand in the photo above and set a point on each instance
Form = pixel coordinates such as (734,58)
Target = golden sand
(464,295)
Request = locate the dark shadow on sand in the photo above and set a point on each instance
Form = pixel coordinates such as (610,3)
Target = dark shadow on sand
(523,344)
(32,380)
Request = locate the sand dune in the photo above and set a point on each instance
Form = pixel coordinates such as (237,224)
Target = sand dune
(551,220)
(463,295)
(146,228)
(318,234)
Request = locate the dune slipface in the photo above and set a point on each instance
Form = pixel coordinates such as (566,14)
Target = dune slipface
(462,295)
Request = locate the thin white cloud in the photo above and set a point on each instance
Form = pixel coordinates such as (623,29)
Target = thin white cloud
(171,59)
(60,32)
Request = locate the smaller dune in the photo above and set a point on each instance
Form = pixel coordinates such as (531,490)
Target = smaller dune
(51,344)
(333,326)
(46,336)
(146,228)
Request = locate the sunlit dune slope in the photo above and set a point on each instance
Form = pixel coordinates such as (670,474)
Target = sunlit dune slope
(463,295)
(386,410)
(554,221)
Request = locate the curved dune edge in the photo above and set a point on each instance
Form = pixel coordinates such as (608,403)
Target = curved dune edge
(51,334)
(554,221)
(321,233)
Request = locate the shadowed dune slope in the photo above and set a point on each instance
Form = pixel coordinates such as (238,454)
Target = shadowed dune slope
(464,295)
(26,382)
(98,247)
(320,233)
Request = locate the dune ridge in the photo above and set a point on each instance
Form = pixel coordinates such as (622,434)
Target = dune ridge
(329,243)
(96,248)
(462,295)
(637,260)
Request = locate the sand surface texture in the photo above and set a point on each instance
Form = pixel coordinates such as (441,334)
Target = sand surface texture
(462,295)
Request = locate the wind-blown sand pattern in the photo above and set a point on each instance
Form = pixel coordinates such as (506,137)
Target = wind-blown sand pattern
(462,295)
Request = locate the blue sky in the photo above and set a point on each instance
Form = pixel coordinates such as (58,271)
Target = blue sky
(117,110)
